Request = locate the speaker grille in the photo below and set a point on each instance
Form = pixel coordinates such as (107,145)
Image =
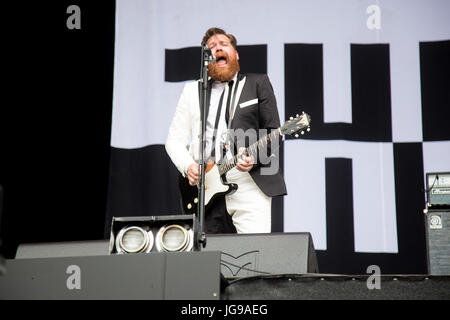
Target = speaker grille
(438,238)
(262,254)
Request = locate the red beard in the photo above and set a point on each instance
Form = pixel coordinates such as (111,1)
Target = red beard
(224,73)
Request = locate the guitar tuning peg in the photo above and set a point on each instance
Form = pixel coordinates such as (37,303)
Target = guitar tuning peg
(189,206)
(296,135)
(291,118)
(309,129)
(297,115)
(196,200)
(302,132)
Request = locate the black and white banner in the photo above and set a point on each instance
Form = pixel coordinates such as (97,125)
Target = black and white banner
(373,75)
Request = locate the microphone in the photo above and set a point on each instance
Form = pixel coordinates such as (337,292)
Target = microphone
(207,54)
(212,58)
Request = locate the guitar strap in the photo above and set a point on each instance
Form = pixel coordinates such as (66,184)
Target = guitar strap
(216,124)
(230,105)
(208,97)
(232,87)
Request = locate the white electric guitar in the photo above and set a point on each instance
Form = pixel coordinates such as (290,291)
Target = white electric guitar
(215,182)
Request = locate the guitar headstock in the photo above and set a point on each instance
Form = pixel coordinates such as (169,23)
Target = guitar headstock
(296,125)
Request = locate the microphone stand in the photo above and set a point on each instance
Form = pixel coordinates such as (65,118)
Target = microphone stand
(207,57)
(2,259)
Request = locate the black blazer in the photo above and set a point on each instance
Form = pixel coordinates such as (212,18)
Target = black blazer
(260,114)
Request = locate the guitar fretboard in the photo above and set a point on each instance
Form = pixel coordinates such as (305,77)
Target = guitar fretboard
(252,150)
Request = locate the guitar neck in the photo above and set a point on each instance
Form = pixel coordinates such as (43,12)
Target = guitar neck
(252,150)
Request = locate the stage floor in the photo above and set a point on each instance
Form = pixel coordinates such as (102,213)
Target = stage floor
(338,287)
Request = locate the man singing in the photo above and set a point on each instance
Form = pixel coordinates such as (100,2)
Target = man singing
(237,103)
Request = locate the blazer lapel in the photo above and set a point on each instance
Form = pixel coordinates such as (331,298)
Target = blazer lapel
(241,82)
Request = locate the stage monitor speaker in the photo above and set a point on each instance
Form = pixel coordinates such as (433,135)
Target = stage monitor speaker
(438,241)
(63,249)
(261,254)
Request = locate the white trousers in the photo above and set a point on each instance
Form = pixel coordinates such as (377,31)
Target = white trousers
(249,207)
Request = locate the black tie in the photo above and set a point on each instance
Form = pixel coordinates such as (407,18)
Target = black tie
(227,111)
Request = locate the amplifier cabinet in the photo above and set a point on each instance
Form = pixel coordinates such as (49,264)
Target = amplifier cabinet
(438,241)
(438,190)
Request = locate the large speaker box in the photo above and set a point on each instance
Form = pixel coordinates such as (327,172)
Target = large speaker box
(162,275)
(244,255)
(438,241)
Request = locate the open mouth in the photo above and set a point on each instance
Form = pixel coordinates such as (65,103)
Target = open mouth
(221,61)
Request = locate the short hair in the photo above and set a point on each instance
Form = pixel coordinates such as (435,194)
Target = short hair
(213,31)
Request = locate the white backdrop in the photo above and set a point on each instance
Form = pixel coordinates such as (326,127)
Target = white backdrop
(143,103)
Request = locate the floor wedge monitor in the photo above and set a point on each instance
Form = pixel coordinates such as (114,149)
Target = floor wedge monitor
(245,255)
